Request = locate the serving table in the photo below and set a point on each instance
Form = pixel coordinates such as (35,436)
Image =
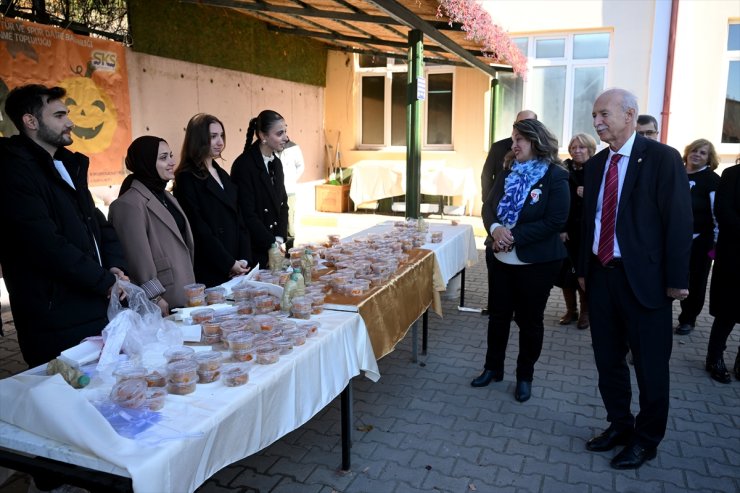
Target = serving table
(199,433)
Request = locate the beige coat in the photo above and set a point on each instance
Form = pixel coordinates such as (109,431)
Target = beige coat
(152,242)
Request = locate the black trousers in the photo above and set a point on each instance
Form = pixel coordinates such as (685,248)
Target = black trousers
(721,329)
(699,267)
(618,323)
(524,290)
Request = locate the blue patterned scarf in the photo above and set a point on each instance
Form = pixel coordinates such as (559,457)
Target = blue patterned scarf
(516,189)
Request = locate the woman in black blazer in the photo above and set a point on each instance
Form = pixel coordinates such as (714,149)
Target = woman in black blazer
(524,213)
(209,199)
(258,173)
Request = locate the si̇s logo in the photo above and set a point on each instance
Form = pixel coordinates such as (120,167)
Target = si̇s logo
(91,110)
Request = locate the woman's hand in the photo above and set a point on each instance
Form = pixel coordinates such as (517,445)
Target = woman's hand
(503,240)
(579,191)
(239,268)
(164,306)
(564,237)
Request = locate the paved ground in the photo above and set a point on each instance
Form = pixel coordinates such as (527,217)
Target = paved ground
(422,428)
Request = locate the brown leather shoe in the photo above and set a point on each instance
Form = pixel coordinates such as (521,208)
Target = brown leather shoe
(568,318)
(583,321)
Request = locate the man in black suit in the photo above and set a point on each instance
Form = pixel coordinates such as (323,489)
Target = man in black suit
(493,166)
(637,224)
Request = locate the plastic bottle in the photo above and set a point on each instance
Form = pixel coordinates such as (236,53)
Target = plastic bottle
(288,294)
(274,258)
(307,266)
(300,281)
(72,376)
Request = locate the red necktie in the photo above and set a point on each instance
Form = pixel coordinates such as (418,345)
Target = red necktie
(609,212)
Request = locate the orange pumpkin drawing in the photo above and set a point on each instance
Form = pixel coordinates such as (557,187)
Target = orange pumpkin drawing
(93,113)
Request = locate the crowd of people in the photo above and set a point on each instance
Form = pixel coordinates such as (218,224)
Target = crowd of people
(626,231)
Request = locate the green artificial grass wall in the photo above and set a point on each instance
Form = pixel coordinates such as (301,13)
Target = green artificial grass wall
(225,38)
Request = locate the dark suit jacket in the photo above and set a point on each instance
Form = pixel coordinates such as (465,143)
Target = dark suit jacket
(493,165)
(218,229)
(58,285)
(264,205)
(537,232)
(154,246)
(654,220)
(725,290)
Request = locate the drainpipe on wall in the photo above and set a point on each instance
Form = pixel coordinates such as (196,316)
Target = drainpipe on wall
(669,73)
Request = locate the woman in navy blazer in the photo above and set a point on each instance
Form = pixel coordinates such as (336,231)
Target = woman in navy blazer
(209,199)
(524,213)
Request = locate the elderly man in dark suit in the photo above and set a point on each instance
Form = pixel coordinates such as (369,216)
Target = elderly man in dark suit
(637,225)
(493,166)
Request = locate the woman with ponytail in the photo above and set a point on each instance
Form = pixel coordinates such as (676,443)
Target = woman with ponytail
(209,199)
(258,173)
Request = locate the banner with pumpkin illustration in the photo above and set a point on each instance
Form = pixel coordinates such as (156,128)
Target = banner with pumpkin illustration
(92,70)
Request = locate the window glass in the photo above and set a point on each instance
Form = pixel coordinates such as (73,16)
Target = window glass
(733,40)
(398,108)
(373,95)
(522,44)
(594,45)
(731,123)
(439,109)
(587,84)
(367,61)
(548,97)
(508,103)
(549,48)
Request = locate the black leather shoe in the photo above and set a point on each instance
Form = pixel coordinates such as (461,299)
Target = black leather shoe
(684,329)
(608,439)
(487,377)
(718,371)
(523,390)
(633,456)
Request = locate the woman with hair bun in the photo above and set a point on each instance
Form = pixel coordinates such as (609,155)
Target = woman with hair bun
(524,213)
(209,199)
(258,173)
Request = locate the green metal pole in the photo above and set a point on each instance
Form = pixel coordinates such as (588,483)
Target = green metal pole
(494,101)
(416,89)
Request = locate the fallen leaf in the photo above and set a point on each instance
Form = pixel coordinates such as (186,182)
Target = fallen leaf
(472,487)
(365,428)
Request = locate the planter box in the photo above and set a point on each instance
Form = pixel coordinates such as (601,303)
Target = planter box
(332,198)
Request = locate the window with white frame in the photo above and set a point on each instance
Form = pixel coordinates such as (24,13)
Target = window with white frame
(566,74)
(731,121)
(383,84)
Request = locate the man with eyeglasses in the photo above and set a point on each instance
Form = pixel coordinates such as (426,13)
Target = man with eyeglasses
(647,126)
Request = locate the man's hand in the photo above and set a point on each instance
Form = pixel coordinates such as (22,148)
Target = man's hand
(119,274)
(582,283)
(163,306)
(239,268)
(677,294)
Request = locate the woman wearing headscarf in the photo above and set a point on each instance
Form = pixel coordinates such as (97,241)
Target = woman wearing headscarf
(524,213)
(152,227)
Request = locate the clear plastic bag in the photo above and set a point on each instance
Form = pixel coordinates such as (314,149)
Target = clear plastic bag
(136,328)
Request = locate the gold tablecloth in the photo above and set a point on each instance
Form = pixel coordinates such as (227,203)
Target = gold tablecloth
(389,311)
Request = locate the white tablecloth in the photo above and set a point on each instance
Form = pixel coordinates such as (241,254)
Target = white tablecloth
(376,179)
(51,419)
(456,252)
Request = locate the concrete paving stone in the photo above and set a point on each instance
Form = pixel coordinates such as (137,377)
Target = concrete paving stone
(709,396)
(539,452)
(454,408)
(432,462)
(693,405)
(320,440)
(413,428)
(595,422)
(700,427)
(259,463)
(577,474)
(438,482)
(363,466)
(720,421)
(507,478)
(213,487)
(533,465)
(512,463)
(401,413)
(668,477)
(365,484)
(578,457)
(333,478)
(414,476)
(568,407)
(551,440)
(394,454)
(552,485)
(423,443)
(626,481)
(713,453)
(492,442)
(287,485)
(670,461)
(459,452)
(288,467)
(369,419)
(541,425)
(509,405)
(388,437)
(477,474)
(255,481)
(426,406)
(723,470)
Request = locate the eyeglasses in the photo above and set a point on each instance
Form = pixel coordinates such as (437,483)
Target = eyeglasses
(647,133)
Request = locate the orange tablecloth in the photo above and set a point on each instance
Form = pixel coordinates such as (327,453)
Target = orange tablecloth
(389,310)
